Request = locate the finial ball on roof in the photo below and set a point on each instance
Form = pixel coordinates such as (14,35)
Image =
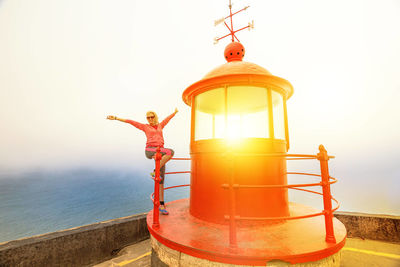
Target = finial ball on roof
(234,52)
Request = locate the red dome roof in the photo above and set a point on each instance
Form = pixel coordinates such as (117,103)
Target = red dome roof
(237,67)
(237,72)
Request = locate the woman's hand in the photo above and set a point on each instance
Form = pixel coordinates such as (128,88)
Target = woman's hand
(176,111)
(110,117)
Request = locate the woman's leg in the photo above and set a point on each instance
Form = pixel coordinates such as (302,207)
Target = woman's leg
(165,159)
(162,176)
(168,153)
(162,195)
(162,204)
(150,155)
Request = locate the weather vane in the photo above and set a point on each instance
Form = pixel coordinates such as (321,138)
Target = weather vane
(232,31)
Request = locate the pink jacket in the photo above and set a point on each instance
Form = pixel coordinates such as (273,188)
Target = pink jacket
(154,136)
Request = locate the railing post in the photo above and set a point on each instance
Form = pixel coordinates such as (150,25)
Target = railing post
(156,214)
(326,191)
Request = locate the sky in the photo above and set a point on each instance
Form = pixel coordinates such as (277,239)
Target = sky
(66,65)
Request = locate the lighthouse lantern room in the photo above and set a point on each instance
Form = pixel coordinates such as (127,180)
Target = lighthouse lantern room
(238,112)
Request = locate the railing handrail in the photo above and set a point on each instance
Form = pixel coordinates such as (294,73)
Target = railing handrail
(279,155)
(272,218)
(180,158)
(292,156)
(334,180)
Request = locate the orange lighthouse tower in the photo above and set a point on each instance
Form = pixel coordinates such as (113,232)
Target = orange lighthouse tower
(239,212)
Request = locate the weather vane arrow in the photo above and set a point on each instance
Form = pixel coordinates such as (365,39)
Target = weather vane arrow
(231,30)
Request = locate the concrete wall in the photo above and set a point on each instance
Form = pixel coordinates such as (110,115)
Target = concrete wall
(80,246)
(90,244)
(371,226)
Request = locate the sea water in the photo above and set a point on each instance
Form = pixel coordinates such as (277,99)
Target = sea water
(39,202)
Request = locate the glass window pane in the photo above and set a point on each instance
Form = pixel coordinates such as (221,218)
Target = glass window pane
(204,125)
(220,126)
(209,108)
(247,116)
(247,112)
(253,119)
(279,118)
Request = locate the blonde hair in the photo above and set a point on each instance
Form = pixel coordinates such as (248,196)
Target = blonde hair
(154,114)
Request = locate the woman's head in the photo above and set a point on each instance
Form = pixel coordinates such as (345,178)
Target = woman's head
(152,117)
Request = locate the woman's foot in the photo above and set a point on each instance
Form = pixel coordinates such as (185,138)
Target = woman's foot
(163,210)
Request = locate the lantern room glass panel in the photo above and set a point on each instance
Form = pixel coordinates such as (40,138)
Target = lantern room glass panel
(247,108)
(233,112)
(209,114)
(278,115)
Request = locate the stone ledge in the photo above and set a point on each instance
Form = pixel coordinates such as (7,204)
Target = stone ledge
(80,246)
(163,256)
(371,226)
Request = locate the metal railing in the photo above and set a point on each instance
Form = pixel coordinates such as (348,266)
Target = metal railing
(326,181)
(155,196)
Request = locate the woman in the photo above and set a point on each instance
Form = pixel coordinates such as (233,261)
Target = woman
(155,139)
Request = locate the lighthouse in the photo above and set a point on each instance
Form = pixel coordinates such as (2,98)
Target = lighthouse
(239,212)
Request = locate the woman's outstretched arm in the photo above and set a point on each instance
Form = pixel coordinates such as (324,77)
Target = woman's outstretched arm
(167,119)
(138,125)
(110,117)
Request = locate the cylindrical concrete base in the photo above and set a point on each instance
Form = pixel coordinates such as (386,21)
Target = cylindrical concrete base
(258,242)
(163,256)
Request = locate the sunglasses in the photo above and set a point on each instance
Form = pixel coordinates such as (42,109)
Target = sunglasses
(150,117)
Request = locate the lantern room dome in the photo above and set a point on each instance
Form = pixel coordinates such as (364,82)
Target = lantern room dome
(237,72)
(237,67)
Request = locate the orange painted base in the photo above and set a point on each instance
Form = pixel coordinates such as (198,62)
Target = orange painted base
(293,241)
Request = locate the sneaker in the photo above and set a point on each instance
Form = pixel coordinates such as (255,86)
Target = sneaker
(163,211)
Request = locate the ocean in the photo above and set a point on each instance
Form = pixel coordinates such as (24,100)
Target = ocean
(39,202)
